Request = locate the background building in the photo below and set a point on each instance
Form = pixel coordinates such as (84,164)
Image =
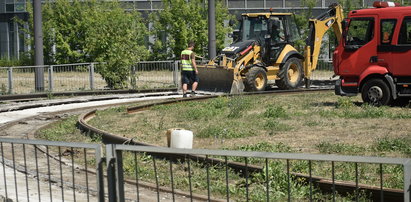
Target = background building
(12,38)
(11,43)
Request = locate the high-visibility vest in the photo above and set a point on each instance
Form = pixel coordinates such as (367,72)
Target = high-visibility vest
(186,63)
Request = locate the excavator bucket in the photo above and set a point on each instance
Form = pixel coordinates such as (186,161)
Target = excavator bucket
(217,79)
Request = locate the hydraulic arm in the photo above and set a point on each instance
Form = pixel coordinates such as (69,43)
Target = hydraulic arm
(318,27)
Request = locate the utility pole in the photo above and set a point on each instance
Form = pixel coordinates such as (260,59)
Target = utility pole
(38,46)
(211,30)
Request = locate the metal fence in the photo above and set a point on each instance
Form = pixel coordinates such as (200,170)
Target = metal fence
(46,171)
(324,71)
(34,170)
(276,180)
(85,76)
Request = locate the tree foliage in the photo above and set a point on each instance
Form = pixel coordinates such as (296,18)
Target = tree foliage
(182,21)
(93,31)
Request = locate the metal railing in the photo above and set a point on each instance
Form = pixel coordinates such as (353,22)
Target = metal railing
(85,76)
(324,71)
(46,171)
(276,182)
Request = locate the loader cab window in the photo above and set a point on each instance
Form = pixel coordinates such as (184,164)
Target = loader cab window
(405,33)
(387,31)
(277,31)
(293,31)
(254,28)
(360,32)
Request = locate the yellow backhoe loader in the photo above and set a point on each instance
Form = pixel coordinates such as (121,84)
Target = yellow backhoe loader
(264,51)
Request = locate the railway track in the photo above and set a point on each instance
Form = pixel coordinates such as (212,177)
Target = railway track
(21,119)
(323,183)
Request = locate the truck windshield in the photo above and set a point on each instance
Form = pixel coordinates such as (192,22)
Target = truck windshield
(360,32)
(254,28)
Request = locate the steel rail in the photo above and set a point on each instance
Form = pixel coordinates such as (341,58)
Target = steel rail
(324,184)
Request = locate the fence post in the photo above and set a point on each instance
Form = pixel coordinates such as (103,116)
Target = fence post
(111,173)
(10,79)
(99,174)
(119,175)
(407,181)
(51,83)
(115,178)
(133,79)
(176,75)
(91,71)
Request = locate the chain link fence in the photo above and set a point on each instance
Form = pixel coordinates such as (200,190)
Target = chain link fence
(85,76)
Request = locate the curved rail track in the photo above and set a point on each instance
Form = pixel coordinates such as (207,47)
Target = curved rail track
(323,183)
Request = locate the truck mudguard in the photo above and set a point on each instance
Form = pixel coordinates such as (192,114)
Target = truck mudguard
(376,69)
(373,69)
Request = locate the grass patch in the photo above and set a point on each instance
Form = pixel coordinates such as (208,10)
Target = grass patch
(340,148)
(63,130)
(386,144)
(309,123)
(275,111)
(219,132)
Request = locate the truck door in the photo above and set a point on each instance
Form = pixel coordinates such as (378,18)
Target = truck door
(360,46)
(401,53)
(387,27)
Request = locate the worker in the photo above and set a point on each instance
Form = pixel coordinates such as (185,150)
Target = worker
(386,37)
(189,70)
(278,32)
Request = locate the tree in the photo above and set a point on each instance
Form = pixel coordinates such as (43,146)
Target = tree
(93,31)
(116,38)
(182,21)
(301,20)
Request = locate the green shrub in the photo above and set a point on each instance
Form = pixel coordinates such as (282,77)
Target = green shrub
(274,111)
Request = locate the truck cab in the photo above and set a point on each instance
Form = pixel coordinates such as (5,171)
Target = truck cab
(374,55)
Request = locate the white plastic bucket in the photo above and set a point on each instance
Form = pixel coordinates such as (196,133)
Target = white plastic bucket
(181,139)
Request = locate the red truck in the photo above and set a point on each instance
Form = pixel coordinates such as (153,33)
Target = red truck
(374,55)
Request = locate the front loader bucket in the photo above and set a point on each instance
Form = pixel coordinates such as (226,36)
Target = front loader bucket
(218,80)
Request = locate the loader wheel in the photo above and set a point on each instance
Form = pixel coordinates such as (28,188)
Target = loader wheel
(376,92)
(256,79)
(291,74)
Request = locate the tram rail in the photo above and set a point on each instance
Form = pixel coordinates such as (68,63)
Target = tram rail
(324,184)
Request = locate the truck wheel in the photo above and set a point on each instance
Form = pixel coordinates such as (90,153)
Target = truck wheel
(376,92)
(256,79)
(291,74)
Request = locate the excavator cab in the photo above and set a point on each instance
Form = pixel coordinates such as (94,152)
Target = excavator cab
(272,32)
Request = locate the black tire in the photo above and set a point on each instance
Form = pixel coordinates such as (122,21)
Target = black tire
(376,92)
(291,74)
(256,79)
